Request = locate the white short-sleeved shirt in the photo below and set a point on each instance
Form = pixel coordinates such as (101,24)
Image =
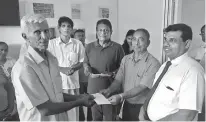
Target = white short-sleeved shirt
(67,55)
(182,87)
(23,49)
(36,81)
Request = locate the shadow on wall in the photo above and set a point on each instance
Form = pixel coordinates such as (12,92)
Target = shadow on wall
(14,50)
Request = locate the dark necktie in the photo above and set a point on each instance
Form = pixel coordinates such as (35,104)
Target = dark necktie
(150,94)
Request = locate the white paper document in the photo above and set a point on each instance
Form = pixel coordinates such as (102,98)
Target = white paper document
(100,99)
(99,75)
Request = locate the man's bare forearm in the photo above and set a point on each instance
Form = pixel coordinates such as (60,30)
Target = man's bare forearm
(134,92)
(11,94)
(115,86)
(68,97)
(77,66)
(62,69)
(51,108)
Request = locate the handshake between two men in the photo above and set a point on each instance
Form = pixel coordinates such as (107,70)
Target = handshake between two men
(86,99)
(67,70)
(115,99)
(99,98)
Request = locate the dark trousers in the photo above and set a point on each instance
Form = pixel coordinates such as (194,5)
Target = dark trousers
(201,116)
(131,111)
(103,112)
(83,87)
(83,90)
(15,117)
(82,116)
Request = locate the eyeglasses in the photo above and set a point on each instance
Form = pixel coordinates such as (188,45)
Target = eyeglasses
(202,34)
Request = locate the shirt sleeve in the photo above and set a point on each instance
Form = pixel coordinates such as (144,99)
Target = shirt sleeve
(23,49)
(120,74)
(149,76)
(120,55)
(86,58)
(192,90)
(32,92)
(81,53)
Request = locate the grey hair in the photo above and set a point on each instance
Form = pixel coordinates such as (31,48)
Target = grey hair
(30,19)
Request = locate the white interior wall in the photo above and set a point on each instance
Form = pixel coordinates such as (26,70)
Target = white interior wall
(148,14)
(124,15)
(90,16)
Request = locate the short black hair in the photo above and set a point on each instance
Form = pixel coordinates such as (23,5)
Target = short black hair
(106,22)
(185,29)
(125,45)
(65,19)
(144,31)
(4,43)
(1,43)
(79,30)
(130,32)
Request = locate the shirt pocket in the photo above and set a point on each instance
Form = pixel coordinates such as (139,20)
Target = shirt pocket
(73,57)
(169,92)
(139,75)
(136,80)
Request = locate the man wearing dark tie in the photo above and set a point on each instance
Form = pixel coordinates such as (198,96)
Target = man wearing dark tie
(178,89)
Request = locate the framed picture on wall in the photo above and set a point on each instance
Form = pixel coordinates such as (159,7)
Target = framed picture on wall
(103,12)
(45,9)
(76,11)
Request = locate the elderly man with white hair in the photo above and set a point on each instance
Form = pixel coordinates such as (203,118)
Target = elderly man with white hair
(36,78)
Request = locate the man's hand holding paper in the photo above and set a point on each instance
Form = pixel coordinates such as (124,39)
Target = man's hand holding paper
(100,99)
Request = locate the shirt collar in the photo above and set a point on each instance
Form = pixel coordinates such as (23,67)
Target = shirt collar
(179,59)
(141,57)
(37,58)
(107,44)
(59,41)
